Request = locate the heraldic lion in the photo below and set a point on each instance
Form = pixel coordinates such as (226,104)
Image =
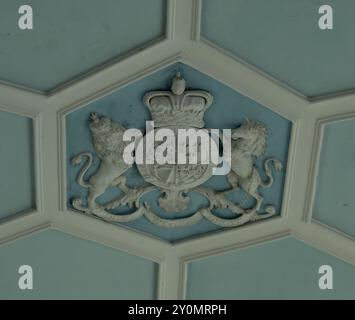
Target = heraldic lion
(107,138)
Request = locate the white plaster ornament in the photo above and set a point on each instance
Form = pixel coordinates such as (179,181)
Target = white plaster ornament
(178,108)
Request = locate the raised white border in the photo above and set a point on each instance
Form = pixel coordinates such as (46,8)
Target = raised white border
(187,259)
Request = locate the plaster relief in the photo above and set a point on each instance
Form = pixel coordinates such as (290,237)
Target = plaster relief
(176,109)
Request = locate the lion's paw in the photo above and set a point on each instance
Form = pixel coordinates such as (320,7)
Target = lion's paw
(278,165)
(76,160)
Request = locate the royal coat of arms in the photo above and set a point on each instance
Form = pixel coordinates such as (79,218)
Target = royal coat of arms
(175,110)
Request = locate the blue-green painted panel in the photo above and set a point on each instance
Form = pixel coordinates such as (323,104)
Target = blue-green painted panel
(282,38)
(283,269)
(229,109)
(17,186)
(66,267)
(334,202)
(71,37)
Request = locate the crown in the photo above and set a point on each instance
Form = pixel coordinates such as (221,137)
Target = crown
(178,107)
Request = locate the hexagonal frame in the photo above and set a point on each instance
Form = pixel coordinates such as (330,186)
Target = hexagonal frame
(12,222)
(316,156)
(182,44)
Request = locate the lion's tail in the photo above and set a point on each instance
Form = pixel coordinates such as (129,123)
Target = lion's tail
(77,160)
(277,165)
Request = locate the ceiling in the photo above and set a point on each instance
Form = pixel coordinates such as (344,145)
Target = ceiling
(70,39)
(66,263)
(263,62)
(68,44)
(282,39)
(17,163)
(330,199)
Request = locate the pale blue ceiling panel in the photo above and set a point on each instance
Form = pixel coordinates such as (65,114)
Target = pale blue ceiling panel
(282,38)
(334,203)
(17,186)
(66,267)
(70,38)
(125,106)
(282,269)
